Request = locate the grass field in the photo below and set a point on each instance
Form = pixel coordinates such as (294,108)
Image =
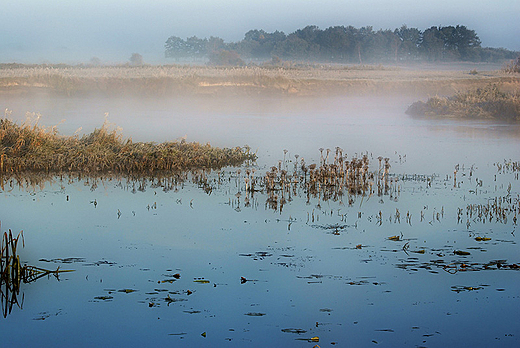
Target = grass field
(298,80)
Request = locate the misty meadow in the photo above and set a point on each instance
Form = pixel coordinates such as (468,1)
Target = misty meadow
(328,187)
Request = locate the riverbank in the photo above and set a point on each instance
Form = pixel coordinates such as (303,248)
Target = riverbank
(305,80)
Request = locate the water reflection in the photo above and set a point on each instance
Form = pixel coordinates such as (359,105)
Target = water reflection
(413,256)
(13,273)
(200,258)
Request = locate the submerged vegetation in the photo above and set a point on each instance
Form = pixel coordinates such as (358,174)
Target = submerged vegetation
(488,102)
(31,148)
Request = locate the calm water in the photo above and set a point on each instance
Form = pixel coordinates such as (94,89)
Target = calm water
(318,268)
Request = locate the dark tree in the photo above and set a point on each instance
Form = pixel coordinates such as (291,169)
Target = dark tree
(136,59)
(175,47)
(410,40)
(432,44)
(226,58)
(346,44)
(196,47)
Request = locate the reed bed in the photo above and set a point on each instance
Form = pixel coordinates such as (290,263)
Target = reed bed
(31,148)
(488,102)
(298,79)
(336,177)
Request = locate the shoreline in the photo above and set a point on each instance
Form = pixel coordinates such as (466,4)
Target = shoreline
(227,81)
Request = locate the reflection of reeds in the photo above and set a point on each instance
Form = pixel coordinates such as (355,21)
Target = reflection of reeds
(30,148)
(331,180)
(12,273)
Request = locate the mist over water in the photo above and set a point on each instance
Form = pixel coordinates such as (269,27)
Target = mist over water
(276,253)
(301,125)
(249,274)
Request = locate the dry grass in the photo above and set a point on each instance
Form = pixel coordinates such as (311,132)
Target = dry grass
(488,102)
(513,67)
(31,148)
(284,79)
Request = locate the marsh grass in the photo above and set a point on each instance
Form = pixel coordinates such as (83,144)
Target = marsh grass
(284,79)
(32,148)
(513,66)
(488,102)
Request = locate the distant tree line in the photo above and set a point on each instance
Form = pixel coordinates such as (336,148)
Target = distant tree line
(344,45)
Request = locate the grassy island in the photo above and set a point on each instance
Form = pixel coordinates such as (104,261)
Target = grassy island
(31,148)
(488,102)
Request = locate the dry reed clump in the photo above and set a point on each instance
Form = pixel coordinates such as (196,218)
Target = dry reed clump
(335,178)
(513,66)
(488,102)
(31,148)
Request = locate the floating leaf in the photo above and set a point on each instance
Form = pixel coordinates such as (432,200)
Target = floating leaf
(127,291)
(201,281)
(461,252)
(104,298)
(458,288)
(296,331)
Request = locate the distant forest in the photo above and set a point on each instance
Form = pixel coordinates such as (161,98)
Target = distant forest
(340,44)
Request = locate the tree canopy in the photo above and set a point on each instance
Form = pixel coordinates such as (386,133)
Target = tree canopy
(346,44)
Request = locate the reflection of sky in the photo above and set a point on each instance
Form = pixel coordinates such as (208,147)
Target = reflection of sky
(311,274)
(307,275)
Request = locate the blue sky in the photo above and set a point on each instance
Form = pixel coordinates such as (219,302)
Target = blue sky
(73,31)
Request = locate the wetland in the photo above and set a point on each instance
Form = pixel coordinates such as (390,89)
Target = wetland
(354,224)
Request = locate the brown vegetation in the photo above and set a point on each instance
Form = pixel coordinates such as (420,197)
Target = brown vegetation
(513,66)
(488,102)
(30,148)
(282,79)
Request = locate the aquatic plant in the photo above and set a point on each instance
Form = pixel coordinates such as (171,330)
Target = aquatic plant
(13,273)
(488,102)
(31,148)
(330,180)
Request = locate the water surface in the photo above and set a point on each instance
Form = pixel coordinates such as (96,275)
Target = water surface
(252,275)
